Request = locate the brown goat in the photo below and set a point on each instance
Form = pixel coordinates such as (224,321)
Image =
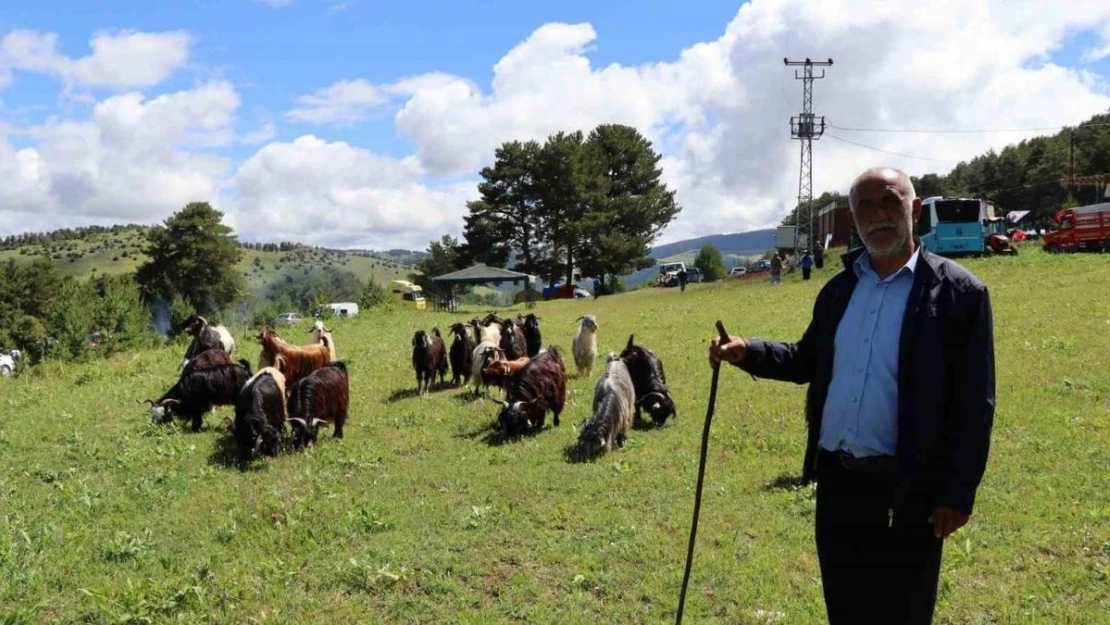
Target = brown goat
(500,372)
(537,387)
(299,360)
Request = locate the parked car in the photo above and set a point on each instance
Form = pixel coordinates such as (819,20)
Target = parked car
(7,362)
(289,318)
(737,272)
(693,274)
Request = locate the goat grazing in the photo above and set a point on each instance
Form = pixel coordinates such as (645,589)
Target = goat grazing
(322,335)
(532,337)
(300,360)
(614,402)
(539,386)
(260,413)
(584,345)
(205,336)
(461,354)
(429,358)
(320,398)
(197,391)
(512,340)
(485,353)
(650,382)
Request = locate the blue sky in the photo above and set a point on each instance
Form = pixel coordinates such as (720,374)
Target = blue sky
(290,119)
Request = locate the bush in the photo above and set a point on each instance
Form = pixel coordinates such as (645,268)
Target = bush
(710,263)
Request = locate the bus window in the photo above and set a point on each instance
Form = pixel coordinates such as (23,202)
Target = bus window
(957,211)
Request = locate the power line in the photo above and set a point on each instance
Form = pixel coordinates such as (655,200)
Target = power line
(871,147)
(959,130)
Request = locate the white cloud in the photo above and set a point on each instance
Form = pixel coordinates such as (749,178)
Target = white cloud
(1103,51)
(121,59)
(132,161)
(322,192)
(343,102)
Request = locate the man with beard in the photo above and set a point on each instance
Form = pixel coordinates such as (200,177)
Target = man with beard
(899,358)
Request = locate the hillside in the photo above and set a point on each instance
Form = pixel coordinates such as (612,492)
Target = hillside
(119,252)
(735,247)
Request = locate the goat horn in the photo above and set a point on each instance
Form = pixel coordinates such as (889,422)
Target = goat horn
(298,420)
(165,402)
(316,422)
(145,401)
(646,397)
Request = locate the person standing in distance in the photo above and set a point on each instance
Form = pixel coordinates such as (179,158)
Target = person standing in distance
(899,359)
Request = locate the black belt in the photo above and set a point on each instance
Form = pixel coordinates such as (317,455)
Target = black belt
(866,464)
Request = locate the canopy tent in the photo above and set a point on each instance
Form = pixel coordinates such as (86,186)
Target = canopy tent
(482,274)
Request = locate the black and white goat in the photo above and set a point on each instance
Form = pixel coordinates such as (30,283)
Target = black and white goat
(205,336)
(650,382)
(614,403)
(321,398)
(197,391)
(260,412)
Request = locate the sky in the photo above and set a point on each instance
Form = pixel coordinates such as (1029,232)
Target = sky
(350,123)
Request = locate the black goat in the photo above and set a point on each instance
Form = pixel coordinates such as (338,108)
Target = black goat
(260,413)
(532,335)
(196,392)
(512,340)
(209,358)
(461,356)
(320,398)
(649,381)
(537,387)
(429,357)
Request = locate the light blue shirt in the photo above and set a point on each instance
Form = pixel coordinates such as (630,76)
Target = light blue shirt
(861,410)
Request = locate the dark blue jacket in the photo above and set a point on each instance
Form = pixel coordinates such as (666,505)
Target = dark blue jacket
(945,376)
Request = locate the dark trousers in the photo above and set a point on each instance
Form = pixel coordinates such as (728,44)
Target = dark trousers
(805,273)
(872,571)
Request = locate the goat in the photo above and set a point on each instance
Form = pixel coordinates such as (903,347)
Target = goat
(209,358)
(197,391)
(205,336)
(260,413)
(584,344)
(322,335)
(650,382)
(538,386)
(614,402)
(487,331)
(485,353)
(532,337)
(428,359)
(462,349)
(500,371)
(322,397)
(300,360)
(512,340)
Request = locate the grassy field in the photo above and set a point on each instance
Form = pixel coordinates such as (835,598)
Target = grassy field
(420,516)
(122,252)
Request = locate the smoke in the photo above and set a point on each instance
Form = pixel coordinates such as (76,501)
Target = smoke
(161,313)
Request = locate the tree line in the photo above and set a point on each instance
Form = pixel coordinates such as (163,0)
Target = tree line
(14,241)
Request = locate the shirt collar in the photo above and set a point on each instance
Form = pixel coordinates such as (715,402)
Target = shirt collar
(863,265)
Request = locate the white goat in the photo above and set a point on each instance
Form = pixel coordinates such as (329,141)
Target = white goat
(614,406)
(487,333)
(584,344)
(322,335)
(485,352)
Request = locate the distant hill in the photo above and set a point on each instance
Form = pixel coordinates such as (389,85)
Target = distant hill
(89,253)
(735,247)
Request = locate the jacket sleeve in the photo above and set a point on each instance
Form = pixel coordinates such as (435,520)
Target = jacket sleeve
(786,362)
(973,416)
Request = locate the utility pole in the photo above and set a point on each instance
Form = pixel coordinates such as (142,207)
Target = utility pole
(806,128)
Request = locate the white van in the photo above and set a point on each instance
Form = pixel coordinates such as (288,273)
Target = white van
(344,309)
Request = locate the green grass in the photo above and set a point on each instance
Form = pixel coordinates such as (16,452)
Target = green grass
(415,518)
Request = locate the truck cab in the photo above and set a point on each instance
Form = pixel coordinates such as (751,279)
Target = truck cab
(668,273)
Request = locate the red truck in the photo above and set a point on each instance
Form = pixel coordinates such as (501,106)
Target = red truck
(1084,228)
